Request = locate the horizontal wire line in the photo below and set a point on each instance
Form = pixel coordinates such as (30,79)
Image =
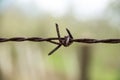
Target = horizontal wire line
(39,39)
(60,41)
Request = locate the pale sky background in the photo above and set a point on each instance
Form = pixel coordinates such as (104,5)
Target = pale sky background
(80,8)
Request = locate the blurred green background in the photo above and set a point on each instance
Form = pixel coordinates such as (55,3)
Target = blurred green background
(99,19)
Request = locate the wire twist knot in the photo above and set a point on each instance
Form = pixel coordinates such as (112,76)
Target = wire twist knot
(66,41)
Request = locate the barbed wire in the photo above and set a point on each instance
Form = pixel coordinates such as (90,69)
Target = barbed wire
(63,41)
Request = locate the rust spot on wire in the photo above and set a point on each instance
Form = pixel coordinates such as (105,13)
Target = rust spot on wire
(62,41)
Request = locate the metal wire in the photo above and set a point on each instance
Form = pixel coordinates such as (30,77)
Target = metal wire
(63,41)
(38,39)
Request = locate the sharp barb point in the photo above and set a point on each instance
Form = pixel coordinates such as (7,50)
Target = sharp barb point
(58,33)
(69,33)
(54,50)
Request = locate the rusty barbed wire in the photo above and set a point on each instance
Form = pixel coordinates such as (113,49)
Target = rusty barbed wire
(63,41)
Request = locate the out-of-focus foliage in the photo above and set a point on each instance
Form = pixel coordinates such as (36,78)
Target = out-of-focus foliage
(113,13)
(115,6)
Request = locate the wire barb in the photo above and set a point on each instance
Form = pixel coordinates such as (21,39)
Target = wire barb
(63,41)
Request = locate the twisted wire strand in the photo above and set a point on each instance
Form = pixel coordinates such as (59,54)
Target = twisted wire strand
(60,41)
(39,39)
